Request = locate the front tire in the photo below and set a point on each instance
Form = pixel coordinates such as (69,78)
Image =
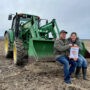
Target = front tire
(18,52)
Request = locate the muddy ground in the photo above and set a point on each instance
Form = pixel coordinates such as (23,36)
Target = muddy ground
(36,76)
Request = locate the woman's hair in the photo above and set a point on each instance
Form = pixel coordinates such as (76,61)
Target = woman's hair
(74,33)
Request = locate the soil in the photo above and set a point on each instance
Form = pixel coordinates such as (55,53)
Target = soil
(36,76)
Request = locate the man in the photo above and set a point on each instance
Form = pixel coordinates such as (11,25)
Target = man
(61,47)
(81,62)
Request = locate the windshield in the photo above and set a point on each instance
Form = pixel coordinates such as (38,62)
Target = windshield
(23,20)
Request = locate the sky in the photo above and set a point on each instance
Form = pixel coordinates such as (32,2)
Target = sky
(71,15)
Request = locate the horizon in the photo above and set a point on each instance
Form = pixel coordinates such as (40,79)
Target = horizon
(2,37)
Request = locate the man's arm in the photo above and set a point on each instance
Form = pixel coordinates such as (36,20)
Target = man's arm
(59,46)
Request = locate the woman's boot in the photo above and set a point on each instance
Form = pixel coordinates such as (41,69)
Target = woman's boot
(84,72)
(77,73)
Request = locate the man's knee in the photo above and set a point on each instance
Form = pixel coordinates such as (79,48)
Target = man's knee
(63,60)
(66,63)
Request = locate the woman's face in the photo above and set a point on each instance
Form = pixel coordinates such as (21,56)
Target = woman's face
(73,37)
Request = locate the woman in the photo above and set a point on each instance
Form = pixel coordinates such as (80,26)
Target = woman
(81,62)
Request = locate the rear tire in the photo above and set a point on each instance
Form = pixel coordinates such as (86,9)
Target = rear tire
(7,47)
(18,52)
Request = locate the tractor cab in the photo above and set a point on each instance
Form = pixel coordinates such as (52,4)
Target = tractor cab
(21,19)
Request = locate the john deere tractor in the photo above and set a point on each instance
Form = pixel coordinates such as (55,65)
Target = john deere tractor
(28,38)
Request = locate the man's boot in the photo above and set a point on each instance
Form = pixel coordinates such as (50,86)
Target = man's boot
(84,71)
(77,73)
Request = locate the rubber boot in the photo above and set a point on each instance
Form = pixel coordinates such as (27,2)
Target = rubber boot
(84,71)
(77,73)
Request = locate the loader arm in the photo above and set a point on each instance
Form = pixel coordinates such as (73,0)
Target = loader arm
(51,27)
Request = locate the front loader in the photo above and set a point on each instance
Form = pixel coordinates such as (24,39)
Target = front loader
(28,38)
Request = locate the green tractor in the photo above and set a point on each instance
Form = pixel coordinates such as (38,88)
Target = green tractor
(28,38)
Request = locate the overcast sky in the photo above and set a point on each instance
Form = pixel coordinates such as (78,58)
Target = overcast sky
(71,15)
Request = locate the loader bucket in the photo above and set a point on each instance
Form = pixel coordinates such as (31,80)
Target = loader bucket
(41,50)
(87,55)
(85,52)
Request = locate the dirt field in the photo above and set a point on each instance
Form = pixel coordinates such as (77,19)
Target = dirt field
(37,76)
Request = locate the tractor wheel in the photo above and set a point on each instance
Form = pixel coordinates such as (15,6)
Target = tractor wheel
(18,52)
(7,47)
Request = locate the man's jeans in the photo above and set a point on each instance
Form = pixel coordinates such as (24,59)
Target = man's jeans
(82,62)
(69,67)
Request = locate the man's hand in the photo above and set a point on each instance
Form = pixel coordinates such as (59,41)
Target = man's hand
(57,38)
(70,45)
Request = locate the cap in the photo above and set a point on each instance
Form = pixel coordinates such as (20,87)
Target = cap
(63,31)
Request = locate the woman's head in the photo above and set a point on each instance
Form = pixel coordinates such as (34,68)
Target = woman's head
(73,36)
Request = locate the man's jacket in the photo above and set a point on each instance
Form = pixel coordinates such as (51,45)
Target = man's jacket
(61,47)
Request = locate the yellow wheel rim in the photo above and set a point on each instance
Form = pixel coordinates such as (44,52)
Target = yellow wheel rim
(15,53)
(6,42)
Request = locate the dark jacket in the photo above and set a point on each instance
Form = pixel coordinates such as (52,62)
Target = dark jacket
(61,47)
(77,42)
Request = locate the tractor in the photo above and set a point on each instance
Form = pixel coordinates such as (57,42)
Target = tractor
(27,38)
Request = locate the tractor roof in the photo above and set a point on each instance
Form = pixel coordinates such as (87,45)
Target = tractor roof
(28,15)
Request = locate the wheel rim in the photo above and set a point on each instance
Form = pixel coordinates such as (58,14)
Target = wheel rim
(15,53)
(6,42)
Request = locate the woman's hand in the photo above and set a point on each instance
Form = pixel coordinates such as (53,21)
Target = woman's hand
(75,59)
(76,45)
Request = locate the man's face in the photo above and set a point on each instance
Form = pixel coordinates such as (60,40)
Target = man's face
(63,35)
(73,37)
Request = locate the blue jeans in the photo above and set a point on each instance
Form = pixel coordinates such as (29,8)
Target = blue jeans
(82,62)
(69,66)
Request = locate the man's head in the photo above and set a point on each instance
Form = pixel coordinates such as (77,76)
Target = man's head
(63,34)
(73,36)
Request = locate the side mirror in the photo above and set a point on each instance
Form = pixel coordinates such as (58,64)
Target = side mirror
(10,17)
(46,21)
